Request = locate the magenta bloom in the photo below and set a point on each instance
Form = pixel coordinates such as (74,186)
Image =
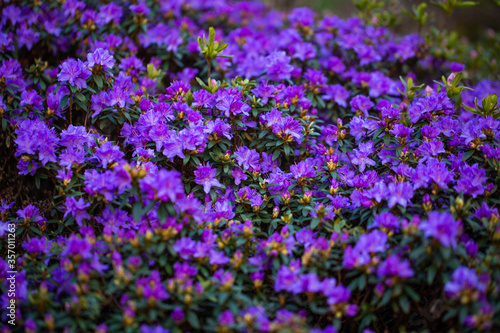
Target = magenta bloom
(248,159)
(400,193)
(238,175)
(205,176)
(393,266)
(100,57)
(361,103)
(77,209)
(462,280)
(441,226)
(303,169)
(108,153)
(74,72)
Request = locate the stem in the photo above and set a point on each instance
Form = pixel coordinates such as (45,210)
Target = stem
(86,117)
(71,108)
(208,72)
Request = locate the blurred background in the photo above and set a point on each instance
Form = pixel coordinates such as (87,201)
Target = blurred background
(468,21)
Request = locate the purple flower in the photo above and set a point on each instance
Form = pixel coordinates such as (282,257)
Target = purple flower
(302,16)
(77,208)
(100,57)
(482,320)
(26,36)
(304,51)
(119,96)
(232,105)
(486,212)
(439,173)
(288,129)
(33,136)
(238,175)
(31,213)
(217,258)
(225,278)
(184,247)
(385,220)
(278,66)
(74,72)
(220,128)
(32,99)
(203,98)
(205,175)
(174,146)
(264,91)
(361,155)
(375,241)
(361,103)
(464,280)
(399,193)
(441,226)
(108,153)
(337,93)
(178,315)
(151,287)
(226,318)
(393,267)
(287,279)
(247,158)
(304,169)
(114,221)
(456,67)
(37,246)
(165,185)
(431,149)
(99,103)
(401,131)
(471,181)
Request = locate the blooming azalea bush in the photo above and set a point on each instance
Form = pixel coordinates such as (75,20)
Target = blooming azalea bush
(277,172)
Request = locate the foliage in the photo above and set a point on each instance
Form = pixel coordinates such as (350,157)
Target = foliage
(320,181)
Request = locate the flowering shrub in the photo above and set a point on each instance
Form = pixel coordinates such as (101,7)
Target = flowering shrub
(272,173)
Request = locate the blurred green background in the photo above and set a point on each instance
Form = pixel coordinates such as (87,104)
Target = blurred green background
(470,21)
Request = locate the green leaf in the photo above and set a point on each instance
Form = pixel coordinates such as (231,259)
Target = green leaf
(82,105)
(211,36)
(200,81)
(137,211)
(404,303)
(386,298)
(314,223)
(431,273)
(64,101)
(467,155)
(413,295)
(162,212)
(467,4)
(81,97)
(276,154)
(387,139)
(192,319)
(132,28)
(287,150)
(98,81)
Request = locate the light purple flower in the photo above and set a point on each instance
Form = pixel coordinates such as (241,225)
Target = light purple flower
(205,176)
(74,72)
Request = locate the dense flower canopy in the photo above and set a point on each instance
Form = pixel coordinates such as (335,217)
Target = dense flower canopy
(283,172)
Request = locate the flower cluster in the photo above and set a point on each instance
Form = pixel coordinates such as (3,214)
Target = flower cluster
(288,180)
